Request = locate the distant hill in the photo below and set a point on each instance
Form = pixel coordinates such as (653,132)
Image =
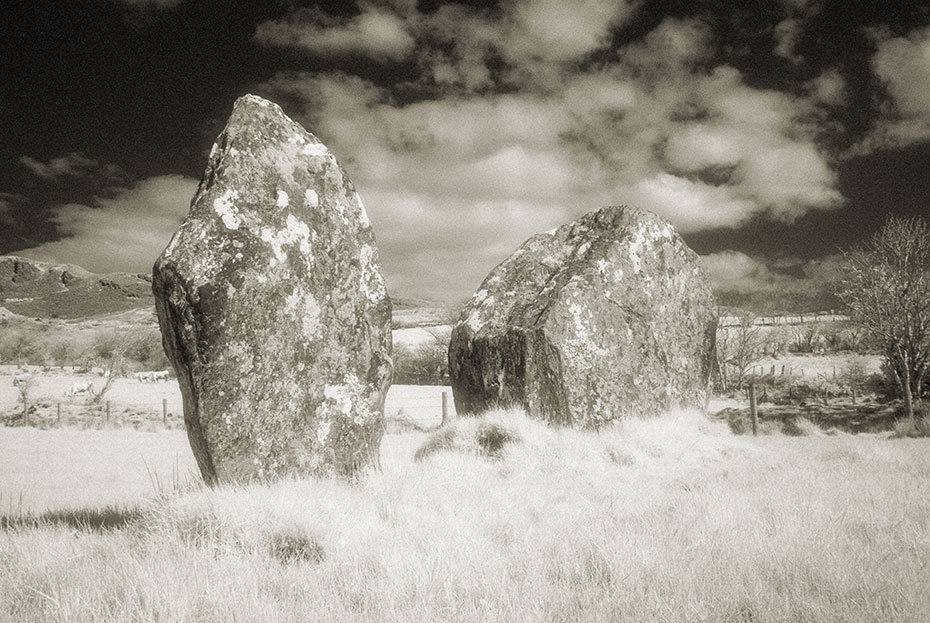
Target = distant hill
(408,313)
(42,290)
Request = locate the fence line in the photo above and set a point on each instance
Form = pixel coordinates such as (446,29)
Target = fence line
(422,404)
(794,319)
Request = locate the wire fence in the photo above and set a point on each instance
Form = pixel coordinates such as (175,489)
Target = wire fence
(424,405)
(43,413)
(796,319)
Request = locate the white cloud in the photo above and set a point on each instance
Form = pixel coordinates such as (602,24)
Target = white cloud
(733,271)
(156,4)
(787,34)
(74,165)
(903,66)
(778,285)
(828,88)
(692,206)
(124,233)
(555,30)
(6,213)
(533,38)
(376,33)
(455,182)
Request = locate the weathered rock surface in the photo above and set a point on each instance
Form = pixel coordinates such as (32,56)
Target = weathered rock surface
(273,309)
(602,318)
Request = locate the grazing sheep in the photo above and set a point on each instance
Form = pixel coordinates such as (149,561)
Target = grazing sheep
(85,388)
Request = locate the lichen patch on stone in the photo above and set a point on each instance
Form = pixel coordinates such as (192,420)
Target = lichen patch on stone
(372,283)
(294,232)
(223,205)
(315,149)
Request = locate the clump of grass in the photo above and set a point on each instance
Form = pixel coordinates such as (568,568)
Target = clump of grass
(619,455)
(295,546)
(82,519)
(487,435)
(800,427)
(918,427)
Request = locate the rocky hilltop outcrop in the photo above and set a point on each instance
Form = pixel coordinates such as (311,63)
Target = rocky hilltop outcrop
(602,318)
(273,308)
(44,290)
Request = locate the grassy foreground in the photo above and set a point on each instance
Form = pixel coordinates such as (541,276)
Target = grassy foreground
(671,519)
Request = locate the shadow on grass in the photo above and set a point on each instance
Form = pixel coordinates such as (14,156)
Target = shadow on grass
(85,520)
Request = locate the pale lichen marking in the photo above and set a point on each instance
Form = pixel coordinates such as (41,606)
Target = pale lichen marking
(372,284)
(315,149)
(304,307)
(646,235)
(474,320)
(295,232)
(223,206)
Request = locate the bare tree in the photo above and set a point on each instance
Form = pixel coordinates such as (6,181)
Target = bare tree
(887,289)
(24,384)
(738,348)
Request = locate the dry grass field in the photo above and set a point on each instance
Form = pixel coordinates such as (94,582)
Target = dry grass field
(500,519)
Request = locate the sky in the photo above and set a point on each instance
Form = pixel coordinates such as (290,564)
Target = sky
(771,133)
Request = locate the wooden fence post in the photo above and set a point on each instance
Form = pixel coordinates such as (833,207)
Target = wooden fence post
(164,411)
(59,415)
(445,408)
(25,411)
(108,411)
(752,408)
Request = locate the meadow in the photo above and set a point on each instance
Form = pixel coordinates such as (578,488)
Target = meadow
(502,519)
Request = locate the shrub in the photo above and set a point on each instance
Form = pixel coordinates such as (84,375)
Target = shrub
(425,364)
(919,427)
(19,347)
(109,345)
(146,349)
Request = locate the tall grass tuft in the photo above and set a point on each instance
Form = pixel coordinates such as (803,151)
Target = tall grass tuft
(487,436)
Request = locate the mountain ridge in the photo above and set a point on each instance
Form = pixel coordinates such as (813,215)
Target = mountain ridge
(35,289)
(50,290)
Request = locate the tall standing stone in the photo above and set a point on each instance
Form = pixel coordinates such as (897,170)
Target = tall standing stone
(273,310)
(602,318)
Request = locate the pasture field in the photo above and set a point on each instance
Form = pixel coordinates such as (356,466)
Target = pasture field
(139,405)
(499,519)
(809,365)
